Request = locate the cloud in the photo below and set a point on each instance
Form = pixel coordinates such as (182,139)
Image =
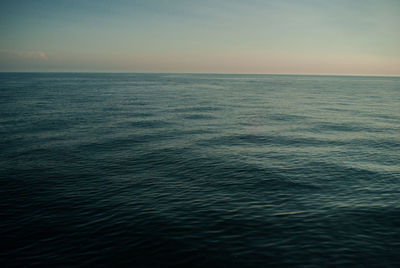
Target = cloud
(23,55)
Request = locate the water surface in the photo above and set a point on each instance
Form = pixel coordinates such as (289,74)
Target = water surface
(153,170)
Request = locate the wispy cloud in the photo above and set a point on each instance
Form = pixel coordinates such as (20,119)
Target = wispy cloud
(22,55)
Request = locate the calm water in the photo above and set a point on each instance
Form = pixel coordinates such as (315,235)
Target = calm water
(203,170)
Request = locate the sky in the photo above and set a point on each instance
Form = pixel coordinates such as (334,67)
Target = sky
(353,37)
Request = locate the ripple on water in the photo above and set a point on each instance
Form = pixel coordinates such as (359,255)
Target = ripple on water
(152,170)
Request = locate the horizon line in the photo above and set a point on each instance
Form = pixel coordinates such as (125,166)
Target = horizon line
(205,73)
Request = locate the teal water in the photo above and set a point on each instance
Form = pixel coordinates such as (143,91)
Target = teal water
(152,170)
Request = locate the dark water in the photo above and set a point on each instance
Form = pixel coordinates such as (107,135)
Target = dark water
(199,170)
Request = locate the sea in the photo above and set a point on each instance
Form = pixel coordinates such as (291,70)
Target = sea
(199,170)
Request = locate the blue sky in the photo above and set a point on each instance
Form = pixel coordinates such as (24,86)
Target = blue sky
(302,36)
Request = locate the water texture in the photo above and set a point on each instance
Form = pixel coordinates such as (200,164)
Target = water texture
(150,170)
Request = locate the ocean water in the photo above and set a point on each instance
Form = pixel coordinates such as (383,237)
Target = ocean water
(150,170)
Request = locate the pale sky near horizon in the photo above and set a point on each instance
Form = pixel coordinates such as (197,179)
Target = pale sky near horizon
(254,36)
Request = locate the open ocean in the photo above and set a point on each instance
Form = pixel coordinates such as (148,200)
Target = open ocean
(150,170)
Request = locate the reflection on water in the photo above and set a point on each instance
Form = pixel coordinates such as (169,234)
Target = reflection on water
(196,170)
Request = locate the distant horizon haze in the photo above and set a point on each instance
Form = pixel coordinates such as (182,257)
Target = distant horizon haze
(198,73)
(262,37)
